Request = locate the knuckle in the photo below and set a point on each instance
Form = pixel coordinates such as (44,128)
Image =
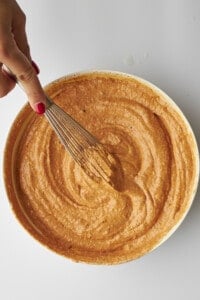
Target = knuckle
(27,75)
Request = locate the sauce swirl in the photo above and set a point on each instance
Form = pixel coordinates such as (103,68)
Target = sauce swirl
(91,221)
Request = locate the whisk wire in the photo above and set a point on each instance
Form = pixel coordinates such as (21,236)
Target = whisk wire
(77,140)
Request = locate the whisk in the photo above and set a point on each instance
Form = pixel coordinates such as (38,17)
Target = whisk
(84,148)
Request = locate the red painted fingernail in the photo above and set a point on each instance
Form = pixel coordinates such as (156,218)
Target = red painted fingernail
(39,108)
(35,66)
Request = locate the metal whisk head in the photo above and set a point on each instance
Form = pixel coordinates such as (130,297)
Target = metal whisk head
(82,145)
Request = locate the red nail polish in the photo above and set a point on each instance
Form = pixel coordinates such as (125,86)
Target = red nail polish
(35,66)
(39,108)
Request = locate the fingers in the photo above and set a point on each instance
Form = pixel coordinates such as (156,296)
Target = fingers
(22,68)
(15,55)
(19,32)
(6,83)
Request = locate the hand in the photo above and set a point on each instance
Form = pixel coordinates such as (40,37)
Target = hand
(15,55)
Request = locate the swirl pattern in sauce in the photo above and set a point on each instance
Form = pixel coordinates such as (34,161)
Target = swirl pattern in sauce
(90,221)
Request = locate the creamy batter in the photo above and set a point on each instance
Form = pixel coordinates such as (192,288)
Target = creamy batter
(92,221)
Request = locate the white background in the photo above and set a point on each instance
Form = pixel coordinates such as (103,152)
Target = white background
(157,40)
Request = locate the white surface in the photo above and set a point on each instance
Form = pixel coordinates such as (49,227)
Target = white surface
(157,40)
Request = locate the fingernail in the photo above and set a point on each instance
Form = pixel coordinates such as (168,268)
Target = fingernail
(39,108)
(35,66)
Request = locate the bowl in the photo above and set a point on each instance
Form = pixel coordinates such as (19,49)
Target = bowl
(157,166)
